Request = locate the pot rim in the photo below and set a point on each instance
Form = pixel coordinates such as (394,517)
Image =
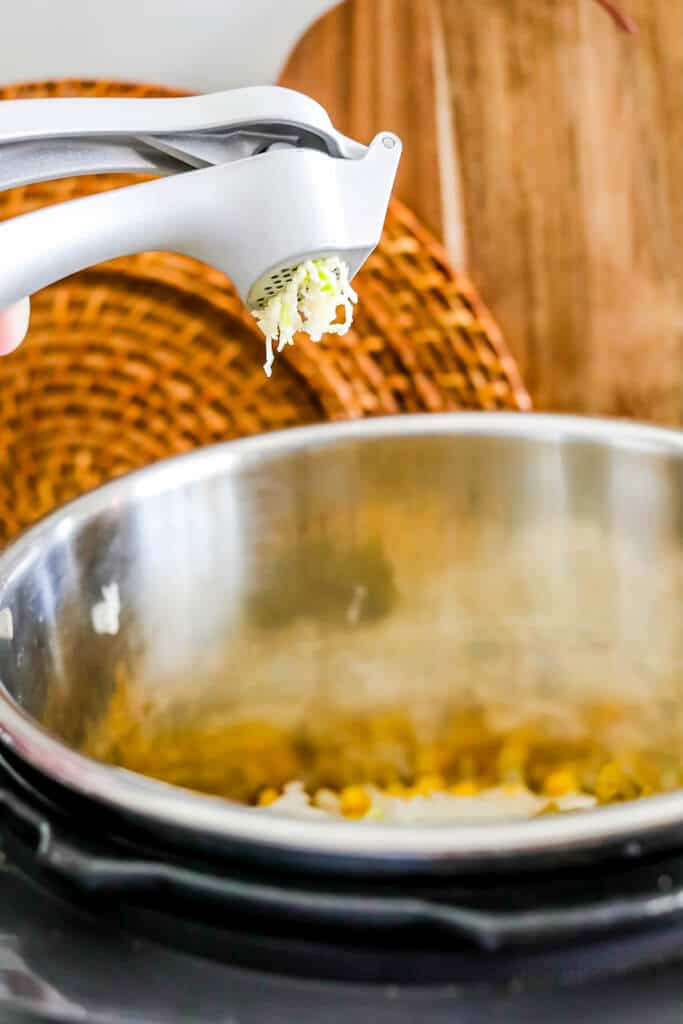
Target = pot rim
(219,820)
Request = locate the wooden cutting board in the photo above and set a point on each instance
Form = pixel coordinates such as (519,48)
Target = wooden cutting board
(546,149)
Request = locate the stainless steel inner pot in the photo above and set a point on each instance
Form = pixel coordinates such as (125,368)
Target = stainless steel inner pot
(389,562)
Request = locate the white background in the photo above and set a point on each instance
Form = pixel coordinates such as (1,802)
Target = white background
(199,45)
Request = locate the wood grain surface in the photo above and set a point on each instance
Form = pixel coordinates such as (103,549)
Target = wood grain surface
(546,149)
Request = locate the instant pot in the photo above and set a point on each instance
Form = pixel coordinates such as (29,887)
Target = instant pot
(540,555)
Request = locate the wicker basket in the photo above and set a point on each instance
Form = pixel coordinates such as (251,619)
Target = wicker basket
(152,355)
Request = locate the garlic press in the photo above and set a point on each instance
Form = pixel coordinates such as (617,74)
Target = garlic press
(253,181)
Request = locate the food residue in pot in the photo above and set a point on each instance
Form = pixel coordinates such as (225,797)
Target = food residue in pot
(105,613)
(421,804)
(378,767)
(6,624)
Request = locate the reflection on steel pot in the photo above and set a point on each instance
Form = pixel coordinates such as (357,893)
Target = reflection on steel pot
(526,560)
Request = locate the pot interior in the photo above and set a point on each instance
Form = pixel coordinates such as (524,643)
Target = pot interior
(302,604)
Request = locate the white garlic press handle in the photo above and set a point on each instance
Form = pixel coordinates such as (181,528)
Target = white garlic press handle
(113,117)
(39,248)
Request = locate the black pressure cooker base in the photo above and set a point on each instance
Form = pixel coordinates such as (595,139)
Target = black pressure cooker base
(493,934)
(59,963)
